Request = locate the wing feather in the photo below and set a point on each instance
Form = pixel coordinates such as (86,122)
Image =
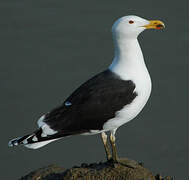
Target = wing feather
(92,104)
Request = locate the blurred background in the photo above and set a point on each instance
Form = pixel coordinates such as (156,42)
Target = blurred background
(49,47)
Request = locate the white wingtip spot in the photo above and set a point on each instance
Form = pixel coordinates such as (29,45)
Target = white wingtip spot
(46,130)
(25,141)
(16,143)
(34,138)
(10,144)
(13,142)
(43,135)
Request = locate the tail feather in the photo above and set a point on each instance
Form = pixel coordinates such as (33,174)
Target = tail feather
(33,141)
(39,144)
(17,141)
(41,137)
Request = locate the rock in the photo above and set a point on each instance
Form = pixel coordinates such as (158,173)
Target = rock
(43,173)
(125,169)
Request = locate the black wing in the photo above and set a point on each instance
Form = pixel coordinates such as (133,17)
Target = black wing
(92,104)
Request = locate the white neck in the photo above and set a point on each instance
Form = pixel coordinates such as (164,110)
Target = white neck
(128,57)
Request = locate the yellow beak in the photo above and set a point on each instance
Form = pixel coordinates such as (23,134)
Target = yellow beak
(155,24)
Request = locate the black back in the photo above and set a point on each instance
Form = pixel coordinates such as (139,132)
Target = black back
(92,104)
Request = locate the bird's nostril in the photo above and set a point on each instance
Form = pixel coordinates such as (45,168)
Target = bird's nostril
(160,26)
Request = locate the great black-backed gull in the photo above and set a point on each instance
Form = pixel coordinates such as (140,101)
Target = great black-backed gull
(106,101)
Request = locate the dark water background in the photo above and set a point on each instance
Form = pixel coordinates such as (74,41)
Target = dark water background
(49,47)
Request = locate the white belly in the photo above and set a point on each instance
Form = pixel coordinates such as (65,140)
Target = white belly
(130,111)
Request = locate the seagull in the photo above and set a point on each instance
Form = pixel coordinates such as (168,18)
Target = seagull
(106,101)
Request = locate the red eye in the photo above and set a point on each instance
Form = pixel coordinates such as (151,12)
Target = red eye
(131,22)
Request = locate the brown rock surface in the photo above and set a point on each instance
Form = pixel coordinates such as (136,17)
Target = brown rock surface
(124,170)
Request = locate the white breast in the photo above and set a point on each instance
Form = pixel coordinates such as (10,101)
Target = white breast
(143,89)
(129,65)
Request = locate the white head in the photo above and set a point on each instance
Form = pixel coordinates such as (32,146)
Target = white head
(132,26)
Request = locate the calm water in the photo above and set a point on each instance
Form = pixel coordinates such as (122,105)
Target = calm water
(48,48)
